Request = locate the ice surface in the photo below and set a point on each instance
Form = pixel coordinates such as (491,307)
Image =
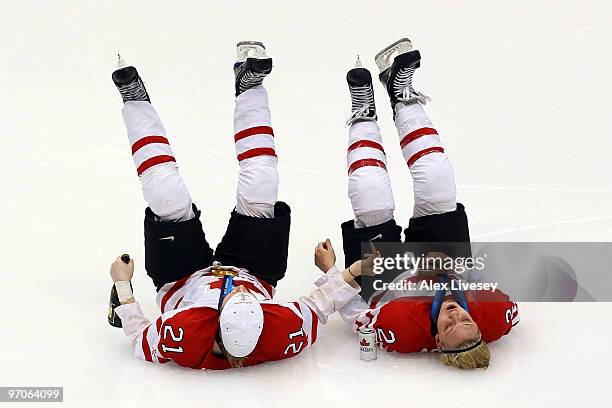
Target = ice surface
(521,97)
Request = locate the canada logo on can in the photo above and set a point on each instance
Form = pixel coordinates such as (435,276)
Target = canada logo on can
(367,344)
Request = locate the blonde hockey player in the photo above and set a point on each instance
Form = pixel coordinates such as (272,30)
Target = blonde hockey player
(458,324)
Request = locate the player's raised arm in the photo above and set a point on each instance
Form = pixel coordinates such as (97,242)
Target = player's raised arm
(143,334)
(135,325)
(337,288)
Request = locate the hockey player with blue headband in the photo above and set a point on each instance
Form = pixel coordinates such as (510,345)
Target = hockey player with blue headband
(459,325)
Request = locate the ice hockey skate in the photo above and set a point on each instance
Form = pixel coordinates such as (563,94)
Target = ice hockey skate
(363,107)
(252,65)
(397,64)
(128,82)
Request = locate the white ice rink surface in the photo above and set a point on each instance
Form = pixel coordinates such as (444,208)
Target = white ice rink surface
(521,97)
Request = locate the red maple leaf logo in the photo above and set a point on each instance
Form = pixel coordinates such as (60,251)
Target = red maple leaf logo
(364,342)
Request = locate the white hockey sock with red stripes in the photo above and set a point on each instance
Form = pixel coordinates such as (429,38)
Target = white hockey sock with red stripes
(432,173)
(162,186)
(254,141)
(147,136)
(369,186)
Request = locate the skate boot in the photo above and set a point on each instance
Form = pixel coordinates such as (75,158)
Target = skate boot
(397,64)
(129,83)
(252,65)
(359,81)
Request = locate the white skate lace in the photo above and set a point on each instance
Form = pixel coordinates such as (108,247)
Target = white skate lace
(134,91)
(410,95)
(251,79)
(362,99)
(402,85)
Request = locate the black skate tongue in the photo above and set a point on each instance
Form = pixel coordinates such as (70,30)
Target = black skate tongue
(358,77)
(260,65)
(411,59)
(125,76)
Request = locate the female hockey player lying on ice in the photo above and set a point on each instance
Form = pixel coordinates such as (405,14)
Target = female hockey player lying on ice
(217,308)
(458,328)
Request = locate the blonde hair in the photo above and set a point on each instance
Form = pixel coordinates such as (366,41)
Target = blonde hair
(477,357)
(235,362)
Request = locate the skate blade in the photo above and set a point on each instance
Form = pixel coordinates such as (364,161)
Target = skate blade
(250,49)
(358,63)
(120,62)
(384,58)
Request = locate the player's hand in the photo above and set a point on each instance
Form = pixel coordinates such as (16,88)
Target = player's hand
(121,271)
(367,265)
(324,256)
